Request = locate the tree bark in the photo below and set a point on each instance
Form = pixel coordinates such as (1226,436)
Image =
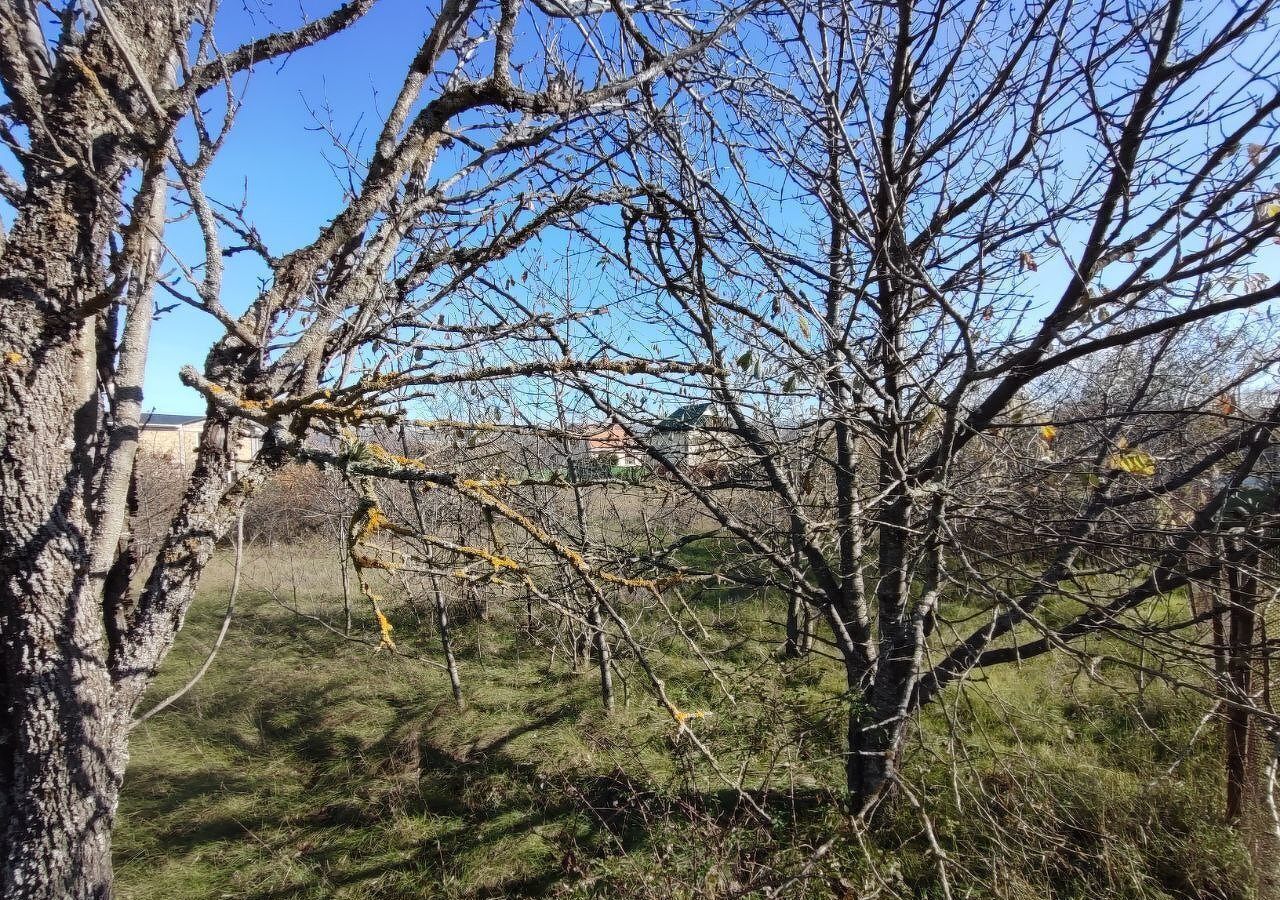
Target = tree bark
(1242,617)
(867,763)
(791,649)
(62,762)
(604,661)
(69,403)
(446,643)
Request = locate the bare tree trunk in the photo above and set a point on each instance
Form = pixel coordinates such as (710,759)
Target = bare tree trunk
(442,608)
(62,763)
(874,747)
(446,643)
(795,612)
(58,832)
(865,765)
(800,625)
(1242,598)
(1269,874)
(600,641)
(808,624)
(63,752)
(577,643)
(794,647)
(71,675)
(346,590)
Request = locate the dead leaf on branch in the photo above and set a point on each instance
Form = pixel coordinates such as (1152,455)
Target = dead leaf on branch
(1135,462)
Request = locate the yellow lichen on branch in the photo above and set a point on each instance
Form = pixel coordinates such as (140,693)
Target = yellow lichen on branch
(384,624)
(372,523)
(368,520)
(683,718)
(479,492)
(485,484)
(382,453)
(493,559)
(365,561)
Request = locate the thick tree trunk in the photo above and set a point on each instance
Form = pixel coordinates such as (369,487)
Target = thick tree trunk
(62,758)
(63,476)
(878,731)
(69,762)
(61,767)
(68,706)
(877,727)
(876,738)
(872,760)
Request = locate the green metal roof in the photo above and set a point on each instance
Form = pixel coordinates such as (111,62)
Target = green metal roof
(684,418)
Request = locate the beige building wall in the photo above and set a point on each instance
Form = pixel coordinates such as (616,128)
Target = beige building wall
(180,443)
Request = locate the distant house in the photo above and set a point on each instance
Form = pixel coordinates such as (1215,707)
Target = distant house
(696,437)
(602,450)
(178,437)
(613,443)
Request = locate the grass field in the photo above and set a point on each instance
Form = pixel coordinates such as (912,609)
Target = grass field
(305,765)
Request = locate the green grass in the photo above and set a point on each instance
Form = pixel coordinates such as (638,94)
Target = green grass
(306,765)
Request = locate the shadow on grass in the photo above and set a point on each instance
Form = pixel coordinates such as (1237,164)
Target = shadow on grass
(525,831)
(305,767)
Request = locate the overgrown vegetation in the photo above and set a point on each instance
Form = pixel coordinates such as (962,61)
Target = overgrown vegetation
(946,329)
(307,765)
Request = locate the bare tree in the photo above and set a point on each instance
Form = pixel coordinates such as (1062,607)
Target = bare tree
(503,127)
(977,284)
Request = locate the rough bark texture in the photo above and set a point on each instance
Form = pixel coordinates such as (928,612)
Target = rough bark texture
(62,763)
(62,735)
(96,108)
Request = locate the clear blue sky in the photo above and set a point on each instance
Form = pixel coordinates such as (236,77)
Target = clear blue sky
(279,159)
(279,154)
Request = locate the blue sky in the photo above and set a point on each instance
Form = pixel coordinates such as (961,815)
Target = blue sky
(277,157)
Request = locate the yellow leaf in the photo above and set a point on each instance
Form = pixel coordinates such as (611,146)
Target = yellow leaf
(13,358)
(1135,462)
(1048,433)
